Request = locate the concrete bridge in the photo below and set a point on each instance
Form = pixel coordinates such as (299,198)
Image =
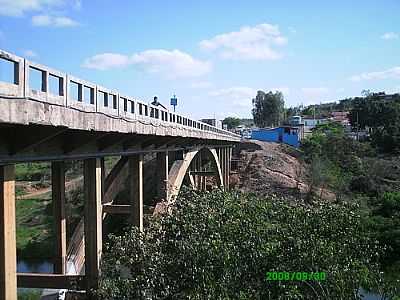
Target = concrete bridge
(47,115)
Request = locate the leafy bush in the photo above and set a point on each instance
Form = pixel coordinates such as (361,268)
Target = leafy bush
(220,245)
(32,171)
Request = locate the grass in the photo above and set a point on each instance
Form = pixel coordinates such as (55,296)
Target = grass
(29,294)
(32,171)
(34,228)
(19,191)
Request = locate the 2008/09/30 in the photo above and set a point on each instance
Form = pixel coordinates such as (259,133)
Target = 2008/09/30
(298,276)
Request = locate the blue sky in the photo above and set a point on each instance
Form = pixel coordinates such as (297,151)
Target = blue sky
(214,55)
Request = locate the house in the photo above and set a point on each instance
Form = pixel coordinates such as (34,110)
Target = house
(285,134)
(295,120)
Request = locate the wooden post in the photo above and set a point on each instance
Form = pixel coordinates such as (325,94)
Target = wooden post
(60,225)
(136,189)
(162,175)
(8,252)
(93,220)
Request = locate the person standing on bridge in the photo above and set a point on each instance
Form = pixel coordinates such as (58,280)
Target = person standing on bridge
(157,103)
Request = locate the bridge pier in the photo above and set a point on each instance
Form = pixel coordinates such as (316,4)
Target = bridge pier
(60,224)
(136,189)
(162,174)
(93,220)
(8,252)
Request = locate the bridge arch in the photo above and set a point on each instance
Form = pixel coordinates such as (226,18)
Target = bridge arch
(180,168)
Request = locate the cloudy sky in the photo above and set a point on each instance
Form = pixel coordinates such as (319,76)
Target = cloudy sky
(214,55)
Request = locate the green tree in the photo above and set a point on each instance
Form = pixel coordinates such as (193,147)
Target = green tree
(268,109)
(220,245)
(383,119)
(231,122)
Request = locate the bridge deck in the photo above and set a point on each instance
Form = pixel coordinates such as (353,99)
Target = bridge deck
(72,118)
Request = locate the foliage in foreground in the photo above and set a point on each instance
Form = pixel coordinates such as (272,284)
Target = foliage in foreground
(220,246)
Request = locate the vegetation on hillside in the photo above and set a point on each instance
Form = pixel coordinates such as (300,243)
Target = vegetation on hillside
(383,120)
(220,245)
(367,172)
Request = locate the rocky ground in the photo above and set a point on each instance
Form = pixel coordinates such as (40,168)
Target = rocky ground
(267,168)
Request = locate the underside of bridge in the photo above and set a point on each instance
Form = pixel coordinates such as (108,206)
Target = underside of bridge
(179,160)
(66,118)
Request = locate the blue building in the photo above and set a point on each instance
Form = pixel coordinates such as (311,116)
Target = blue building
(284,134)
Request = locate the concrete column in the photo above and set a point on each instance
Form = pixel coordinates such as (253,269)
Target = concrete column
(171,157)
(103,174)
(136,189)
(199,177)
(93,220)
(162,175)
(199,168)
(227,167)
(8,252)
(229,149)
(222,162)
(60,225)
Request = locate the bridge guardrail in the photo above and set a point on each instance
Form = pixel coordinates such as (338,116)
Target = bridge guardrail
(62,89)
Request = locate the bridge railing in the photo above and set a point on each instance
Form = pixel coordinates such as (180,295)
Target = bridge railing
(29,80)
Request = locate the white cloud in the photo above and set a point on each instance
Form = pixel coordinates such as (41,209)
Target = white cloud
(390,36)
(249,43)
(29,53)
(315,93)
(393,73)
(17,8)
(173,63)
(106,61)
(47,20)
(170,64)
(239,96)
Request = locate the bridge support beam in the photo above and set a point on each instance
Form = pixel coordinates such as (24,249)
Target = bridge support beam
(60,225)
(224,156)
(198,168)
(8,252)
(136,189)
(93,220)
(228,166)
(162,175)
(221,156)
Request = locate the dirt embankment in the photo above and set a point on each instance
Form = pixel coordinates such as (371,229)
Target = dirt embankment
(272,169)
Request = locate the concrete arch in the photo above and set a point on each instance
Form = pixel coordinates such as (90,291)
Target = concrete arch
(180,168)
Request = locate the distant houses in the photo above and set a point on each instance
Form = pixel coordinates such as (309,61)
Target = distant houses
(298,127)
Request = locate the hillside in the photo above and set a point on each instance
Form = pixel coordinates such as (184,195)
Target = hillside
(268,168)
